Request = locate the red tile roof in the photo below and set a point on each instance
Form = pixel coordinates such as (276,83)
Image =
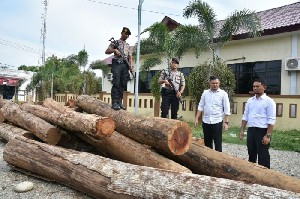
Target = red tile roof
(277,20)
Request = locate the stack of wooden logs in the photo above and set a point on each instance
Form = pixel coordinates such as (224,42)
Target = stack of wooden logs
(117,154)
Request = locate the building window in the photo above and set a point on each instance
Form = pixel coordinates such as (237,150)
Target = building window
(244,106)
(183,107)
(279,109)
(151,103)
(234,108)
(130,102)
(185,70)
(192,104)
(293,111)
(246,73)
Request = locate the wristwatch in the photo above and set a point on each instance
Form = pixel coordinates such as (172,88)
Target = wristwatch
(268,135)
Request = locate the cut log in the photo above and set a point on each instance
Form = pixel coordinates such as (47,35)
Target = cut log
(39,127)
(51,103)
(165,134)
(105,178)
(93,125)
(198,158)
(203,160)
(9,131)
(122,148)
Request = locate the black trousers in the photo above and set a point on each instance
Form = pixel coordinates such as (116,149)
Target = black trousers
(169,99)
(119,82)
(213,133)
(255,147)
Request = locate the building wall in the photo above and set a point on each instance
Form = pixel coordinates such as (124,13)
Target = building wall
(146,106)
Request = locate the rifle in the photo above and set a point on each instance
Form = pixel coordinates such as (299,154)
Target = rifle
(123,58)
(180,99)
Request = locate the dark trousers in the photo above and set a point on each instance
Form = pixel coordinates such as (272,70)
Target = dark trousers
(169,99)
(256,148)
(119,82)
(213,133)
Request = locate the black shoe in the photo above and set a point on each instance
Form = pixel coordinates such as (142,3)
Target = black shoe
(116,106)
(122,106)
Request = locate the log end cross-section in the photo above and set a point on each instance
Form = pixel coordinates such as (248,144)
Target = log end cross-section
(180,138)
(53,136)
(105,127)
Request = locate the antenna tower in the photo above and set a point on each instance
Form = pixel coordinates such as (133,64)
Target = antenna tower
(43,30)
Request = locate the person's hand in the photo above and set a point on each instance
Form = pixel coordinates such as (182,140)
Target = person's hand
(225,126)
(196,122)
(266,140)
(167,83)
(131,68)
(116,52)
(178,95)
(241,135)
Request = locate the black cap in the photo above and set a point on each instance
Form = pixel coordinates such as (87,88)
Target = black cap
(174,59)
(126,31)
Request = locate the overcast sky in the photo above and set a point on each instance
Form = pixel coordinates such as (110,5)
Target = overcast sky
(76,24)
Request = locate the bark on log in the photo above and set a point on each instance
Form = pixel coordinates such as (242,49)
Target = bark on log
(165,134)
(39,127)
(122,148)
(8,132)
(202,160)
(51,103)
(205,161)
(93,125)
(105,178)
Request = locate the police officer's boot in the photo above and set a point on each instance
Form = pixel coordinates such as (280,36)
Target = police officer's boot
(121,105)
(116,106)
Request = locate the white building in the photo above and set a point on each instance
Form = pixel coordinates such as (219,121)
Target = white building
(13,84)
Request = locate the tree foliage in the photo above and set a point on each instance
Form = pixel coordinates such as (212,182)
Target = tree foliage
(165,44)
(155,87)
(98,64)
(65,74)
(198,80)
(209,26)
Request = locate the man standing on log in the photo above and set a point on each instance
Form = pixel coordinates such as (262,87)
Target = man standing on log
(174,84)
(214,104)
(260,114)
(122,63)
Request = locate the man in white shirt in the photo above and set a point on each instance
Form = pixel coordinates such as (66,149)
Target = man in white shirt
(260,114)
(214,106)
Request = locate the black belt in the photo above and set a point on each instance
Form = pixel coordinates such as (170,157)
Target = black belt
(256,128)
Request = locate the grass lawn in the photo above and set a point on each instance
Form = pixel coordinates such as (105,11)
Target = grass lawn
(281,140)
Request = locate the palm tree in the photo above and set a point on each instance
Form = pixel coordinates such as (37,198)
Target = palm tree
(163,43)
(245,20)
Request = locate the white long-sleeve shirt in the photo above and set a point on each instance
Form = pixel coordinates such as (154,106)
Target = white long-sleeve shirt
(214,105)
(260,112)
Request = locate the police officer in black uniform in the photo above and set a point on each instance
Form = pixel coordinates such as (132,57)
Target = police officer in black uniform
(169,95)
(119,69)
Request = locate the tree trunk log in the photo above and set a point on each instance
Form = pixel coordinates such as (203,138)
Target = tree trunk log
(165,134)
(93,125)
(39,127)
(205,161)
(51,103)
(105,178)
(8,132)
(122,148)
